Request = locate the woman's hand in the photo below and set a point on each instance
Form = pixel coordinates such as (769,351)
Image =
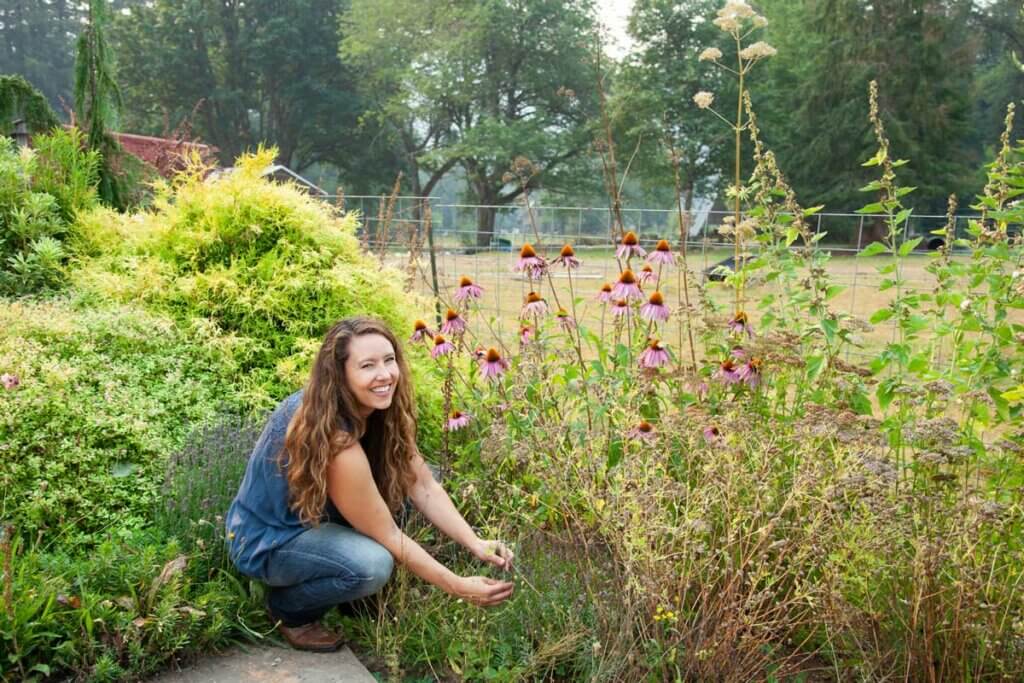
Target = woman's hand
(482,591)
(494,552)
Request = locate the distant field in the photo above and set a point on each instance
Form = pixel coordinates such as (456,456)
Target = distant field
(505,290)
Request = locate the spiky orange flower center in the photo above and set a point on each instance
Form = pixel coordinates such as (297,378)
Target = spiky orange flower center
(451,315)
(492,355)
(562,313)
(465,282)
(648,269)
(533,297)
(525,330)
(527,251)
(755,363)
(567,251)
(728,365)
(621,303)
(629,239)
(655,344)
(438,340)
(714,431)
(456,414)
(627,277)
(645,426)
(419,325)
(657,299)
(741,318)
(662,246)
(606,287)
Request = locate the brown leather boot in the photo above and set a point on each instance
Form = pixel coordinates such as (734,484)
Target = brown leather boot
(313,637)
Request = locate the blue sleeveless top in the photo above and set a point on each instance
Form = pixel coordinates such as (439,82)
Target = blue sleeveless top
(260,519)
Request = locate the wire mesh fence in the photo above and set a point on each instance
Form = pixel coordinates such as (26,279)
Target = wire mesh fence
(467,242)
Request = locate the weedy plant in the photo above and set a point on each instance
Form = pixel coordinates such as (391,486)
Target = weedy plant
(775,510)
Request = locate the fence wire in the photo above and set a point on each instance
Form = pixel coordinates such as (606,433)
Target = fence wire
(461,248)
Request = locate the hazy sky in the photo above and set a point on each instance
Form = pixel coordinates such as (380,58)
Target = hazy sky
(614,13)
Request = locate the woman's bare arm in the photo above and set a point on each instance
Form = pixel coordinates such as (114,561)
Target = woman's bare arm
(352,489)
(433,501)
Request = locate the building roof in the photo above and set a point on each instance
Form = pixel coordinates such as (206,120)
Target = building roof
(167,155)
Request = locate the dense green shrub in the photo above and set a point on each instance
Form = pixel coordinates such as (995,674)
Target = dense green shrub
(258,269)
(40,191)
(105,396)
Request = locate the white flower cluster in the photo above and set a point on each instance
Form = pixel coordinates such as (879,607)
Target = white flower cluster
(704,99)
(758,50)
(710,54)
(731,17)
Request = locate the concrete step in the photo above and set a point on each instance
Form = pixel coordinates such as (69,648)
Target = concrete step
(273,665)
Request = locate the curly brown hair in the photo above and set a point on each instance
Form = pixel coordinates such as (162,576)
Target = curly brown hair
(328,420)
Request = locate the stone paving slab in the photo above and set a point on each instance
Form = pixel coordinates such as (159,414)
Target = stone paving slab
(273,665)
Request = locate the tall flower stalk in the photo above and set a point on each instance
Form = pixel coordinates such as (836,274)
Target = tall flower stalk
(739,20)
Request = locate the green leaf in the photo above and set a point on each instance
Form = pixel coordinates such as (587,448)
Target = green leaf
(815,366)
(881,315)
(910,245)
(834,290)
(875,207)
(874,249)
(614,453)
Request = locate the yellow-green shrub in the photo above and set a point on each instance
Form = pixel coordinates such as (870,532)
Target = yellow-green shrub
(256,268)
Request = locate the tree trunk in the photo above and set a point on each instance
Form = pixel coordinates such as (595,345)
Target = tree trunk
(485,214)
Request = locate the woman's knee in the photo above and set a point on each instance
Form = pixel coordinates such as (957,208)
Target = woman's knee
(375,566)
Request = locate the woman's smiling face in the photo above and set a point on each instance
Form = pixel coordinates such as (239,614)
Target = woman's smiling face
(371,371)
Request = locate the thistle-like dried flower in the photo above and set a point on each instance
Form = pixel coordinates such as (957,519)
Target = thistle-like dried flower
(704,99)
(758,50)
(710,54)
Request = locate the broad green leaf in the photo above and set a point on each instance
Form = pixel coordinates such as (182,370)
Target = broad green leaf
(910,245)
(881,315)
(874,249)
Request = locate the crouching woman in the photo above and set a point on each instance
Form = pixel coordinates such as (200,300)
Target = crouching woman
(314,518)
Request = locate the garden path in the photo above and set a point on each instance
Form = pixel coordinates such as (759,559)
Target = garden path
(272,665)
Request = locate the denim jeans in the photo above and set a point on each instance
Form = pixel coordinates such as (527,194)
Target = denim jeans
(323,567)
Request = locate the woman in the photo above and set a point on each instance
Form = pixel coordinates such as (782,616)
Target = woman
(314,516)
